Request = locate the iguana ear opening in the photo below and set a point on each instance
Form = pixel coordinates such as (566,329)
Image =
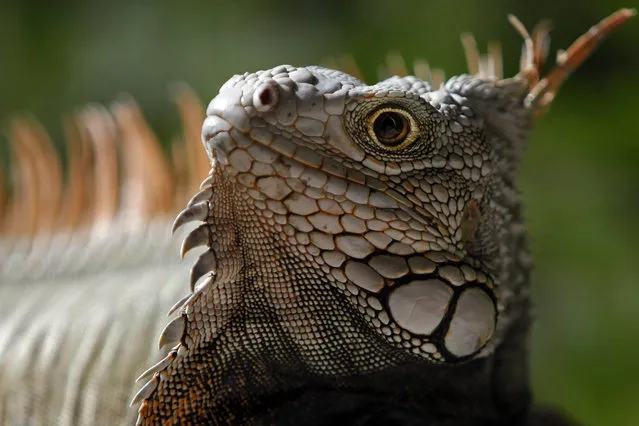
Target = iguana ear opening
(478,236)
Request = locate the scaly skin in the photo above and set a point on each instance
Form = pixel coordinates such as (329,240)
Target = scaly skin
(82,301)
(365,256)
(289,339)
(75,333)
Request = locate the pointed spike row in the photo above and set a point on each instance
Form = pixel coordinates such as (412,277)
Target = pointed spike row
(421,69)
(207,182)
(3,193)
(205,264)
(181,350)
(494,50)
(173,332)
(203,195)
(47,170)
(145,161)
(541,41)
(3,199)
(396,64)
(99,133)
(573,57)
(527,59)
(145,391)
(97,151)
(485,67)
(179,304)
(193,114)
(187,299)
(10,223)
(200,236)
(161,365)
(439,77)
(26,194)
(197,211)
(561,56)
(471,52)
(51,170)
(19,138)
(76,205)
(200,289)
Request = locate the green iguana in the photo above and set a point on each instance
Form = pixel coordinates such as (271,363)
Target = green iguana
(365,260)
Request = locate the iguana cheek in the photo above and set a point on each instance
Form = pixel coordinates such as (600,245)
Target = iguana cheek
(420,305)
(432,304)
(472,324)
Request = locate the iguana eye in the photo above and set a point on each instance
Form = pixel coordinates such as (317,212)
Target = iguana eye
(392,128)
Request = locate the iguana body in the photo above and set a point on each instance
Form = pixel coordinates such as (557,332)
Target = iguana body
(81,307)
(70,347)
(365,258)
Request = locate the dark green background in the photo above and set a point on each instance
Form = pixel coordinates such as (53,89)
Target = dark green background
(581,176)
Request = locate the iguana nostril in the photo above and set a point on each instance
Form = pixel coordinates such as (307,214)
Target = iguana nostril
(266,96)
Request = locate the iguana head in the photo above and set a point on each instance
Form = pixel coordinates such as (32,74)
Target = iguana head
(389,190)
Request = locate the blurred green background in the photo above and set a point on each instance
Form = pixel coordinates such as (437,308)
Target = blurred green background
(580,179)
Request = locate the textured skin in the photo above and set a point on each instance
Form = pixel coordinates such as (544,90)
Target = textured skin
(82,301)
(300,205)
(342,280)
(356,268)
(70,349)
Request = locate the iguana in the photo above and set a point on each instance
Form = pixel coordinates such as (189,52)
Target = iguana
(365,261)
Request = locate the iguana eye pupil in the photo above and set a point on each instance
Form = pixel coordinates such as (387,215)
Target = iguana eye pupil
(391,128)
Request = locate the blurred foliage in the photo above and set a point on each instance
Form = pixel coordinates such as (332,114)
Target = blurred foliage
(580,180)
